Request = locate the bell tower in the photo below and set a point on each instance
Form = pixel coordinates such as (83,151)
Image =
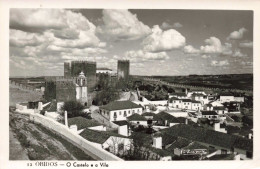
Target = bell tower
(81,88)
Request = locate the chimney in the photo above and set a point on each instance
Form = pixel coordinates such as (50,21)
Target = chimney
(40,106)
(217,126)
(186,121)
(66,118)
(250,135)
(157,142)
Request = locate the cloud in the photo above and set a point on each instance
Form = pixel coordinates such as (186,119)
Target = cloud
(219,63)
(190,50)
(121,24)
(237,53)
(37,20)
(247,63)
(227,49)
(41,44)
(237,34)
(19,38)
(161,40)
(63,27)
(213,45)
(206,56)
(166,25)
(141,55)
(246,44)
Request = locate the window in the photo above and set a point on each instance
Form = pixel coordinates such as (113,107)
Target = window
(115,115)
(133,111)
(184,103)
(119,112)
(138,110)
(129,111)
(223,151)
(125,114)
(173,101)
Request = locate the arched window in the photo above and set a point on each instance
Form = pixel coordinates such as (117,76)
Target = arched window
(125,114)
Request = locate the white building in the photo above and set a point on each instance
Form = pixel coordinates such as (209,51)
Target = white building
(120,110)
(200,97)
(185,104)
(81,89)
(178,95)
(103,70)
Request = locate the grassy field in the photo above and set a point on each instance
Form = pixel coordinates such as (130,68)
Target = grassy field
(238,81)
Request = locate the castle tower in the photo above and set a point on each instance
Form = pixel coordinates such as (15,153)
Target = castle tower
(67,71)
(81,89)
(123,69)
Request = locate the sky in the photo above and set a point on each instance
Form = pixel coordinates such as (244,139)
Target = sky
(156,41)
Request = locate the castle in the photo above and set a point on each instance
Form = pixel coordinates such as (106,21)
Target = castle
(79,81)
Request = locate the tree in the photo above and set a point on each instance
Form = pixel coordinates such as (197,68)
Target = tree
(73,108)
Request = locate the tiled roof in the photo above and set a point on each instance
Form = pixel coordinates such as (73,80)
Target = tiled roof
(120,105)
(209,136)
(173,98)
(168,117)
(148,114)
(121,123)
(195,101)
(186,100)
(208,113)
(219,108)
(98,136)
(179,143)
(178,94)
(195,145)
(136,117)
(82,122)
(198,94)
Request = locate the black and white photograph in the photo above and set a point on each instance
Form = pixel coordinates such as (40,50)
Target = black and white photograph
(130,84)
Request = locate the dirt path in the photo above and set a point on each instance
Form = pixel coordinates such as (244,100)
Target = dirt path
(34,142)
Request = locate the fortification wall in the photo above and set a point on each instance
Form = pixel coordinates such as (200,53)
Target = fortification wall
(65,91)
(87,146)
(23,87)
(174,85)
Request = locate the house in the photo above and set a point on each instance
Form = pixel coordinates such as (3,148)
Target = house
(111,141)
(226,97)
(120,110)
(200,97)
(184,147)
(166,119)
(227,144)
(137,119)
(175,102)
(78,124)
(178,113)
(232,107)
(123,128)
(186,104)
(209,114)
(220,110)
